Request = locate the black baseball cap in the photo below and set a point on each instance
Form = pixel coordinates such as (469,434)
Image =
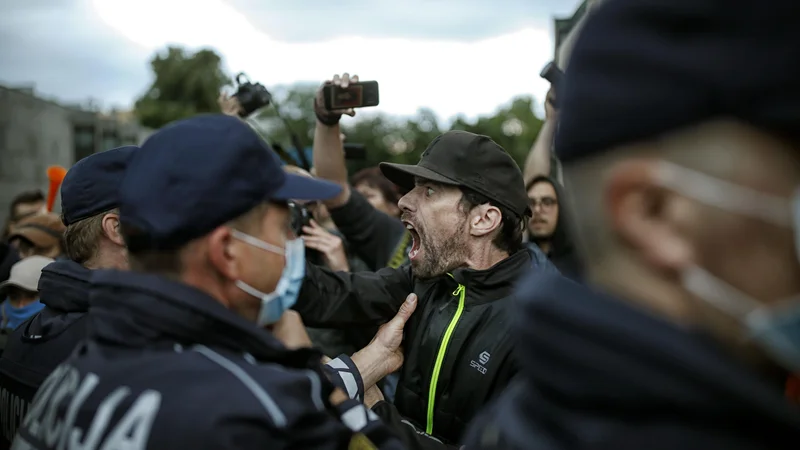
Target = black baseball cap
(461,158)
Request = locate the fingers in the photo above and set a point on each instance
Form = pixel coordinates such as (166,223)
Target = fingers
(315,230)
(407,308)
(321,247)
(344,81)
(337,396)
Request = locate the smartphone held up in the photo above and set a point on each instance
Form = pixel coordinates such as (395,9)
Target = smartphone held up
(356,95)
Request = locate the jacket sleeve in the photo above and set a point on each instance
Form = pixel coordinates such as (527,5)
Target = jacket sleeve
(344,374)
(292,409)
(356,427)
(339,299)
(413,439)
(372,235)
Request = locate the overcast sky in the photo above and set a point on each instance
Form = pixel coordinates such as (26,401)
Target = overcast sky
(453,56)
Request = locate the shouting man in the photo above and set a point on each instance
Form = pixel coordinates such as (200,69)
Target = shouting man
(465,210)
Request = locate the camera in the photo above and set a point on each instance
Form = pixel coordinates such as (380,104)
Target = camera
(251,96)
(300,217)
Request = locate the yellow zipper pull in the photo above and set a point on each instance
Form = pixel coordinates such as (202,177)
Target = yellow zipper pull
(459,290)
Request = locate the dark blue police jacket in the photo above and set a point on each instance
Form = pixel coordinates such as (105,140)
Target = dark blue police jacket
(596,373)
(41,343)
(168,367)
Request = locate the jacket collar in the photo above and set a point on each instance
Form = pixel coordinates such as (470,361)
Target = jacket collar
(587,347)
(497,281)
(64,286)
(133,309)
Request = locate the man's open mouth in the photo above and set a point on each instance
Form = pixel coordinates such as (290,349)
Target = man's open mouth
(415,241)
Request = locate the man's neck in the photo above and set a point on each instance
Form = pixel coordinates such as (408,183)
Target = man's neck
(486,258)
(544,245)
(670,301)
(107,259)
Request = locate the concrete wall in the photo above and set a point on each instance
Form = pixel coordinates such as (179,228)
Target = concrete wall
(34,134)
(37,133)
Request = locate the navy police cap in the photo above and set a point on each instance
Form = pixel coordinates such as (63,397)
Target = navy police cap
(642,68)
(91,186)
(197,174)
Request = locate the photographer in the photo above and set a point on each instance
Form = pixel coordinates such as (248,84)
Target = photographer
(325,245)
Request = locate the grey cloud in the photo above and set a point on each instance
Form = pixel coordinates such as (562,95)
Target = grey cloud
(62,47)
(66,52)
(310,20)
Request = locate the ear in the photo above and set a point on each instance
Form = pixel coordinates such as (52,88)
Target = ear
(642,214)
(484,219)
(225,252)
(110,224)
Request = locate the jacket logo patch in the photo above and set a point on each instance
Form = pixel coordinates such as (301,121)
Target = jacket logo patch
(479,365)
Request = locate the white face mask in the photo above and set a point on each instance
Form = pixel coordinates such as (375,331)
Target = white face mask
(274,304)
(776,327)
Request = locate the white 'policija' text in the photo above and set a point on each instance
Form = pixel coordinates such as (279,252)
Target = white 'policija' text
(50,423)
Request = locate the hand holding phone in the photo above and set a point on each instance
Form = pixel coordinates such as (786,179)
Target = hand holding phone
(360,94)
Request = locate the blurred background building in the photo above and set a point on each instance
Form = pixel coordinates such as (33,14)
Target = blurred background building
(36,133)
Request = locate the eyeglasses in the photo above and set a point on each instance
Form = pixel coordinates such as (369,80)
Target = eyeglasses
(547,203)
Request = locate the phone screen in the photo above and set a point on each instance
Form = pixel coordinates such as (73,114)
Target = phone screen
(352,97)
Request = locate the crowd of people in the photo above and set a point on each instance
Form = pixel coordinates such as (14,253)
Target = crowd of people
(643,296)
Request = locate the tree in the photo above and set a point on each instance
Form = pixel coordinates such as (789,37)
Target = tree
(185,84)
(514,127)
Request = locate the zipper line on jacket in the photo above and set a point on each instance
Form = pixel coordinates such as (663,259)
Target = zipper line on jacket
(460,292)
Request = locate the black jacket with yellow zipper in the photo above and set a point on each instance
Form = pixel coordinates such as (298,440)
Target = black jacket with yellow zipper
(457,343)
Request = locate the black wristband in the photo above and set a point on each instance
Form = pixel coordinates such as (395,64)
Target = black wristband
(328,119)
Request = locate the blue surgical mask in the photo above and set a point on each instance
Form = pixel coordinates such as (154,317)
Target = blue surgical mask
(274,304)
(776,328)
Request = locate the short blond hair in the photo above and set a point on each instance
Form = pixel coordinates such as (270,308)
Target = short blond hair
(82,238)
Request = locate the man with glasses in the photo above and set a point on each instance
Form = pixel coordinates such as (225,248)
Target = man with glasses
(548,224)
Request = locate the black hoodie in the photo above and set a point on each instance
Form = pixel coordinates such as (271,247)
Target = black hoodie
(40,344)
(562,253)
(597,373)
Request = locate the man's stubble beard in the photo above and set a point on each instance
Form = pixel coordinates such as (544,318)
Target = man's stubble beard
(446,254)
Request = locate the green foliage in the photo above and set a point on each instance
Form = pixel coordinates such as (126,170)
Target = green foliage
(188,84)
(184,85)
(394,139)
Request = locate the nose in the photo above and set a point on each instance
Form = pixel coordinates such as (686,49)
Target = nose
(406,202)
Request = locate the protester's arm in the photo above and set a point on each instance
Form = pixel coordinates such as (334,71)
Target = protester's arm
(339,299)
(372,235)
(328,155)
(538,160)
(345,426)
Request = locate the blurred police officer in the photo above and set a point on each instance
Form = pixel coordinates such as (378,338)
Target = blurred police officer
(175,359)
(92,240)
(683,156)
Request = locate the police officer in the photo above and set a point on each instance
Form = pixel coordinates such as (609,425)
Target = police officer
(177,355)
(681,154)
(92,240)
